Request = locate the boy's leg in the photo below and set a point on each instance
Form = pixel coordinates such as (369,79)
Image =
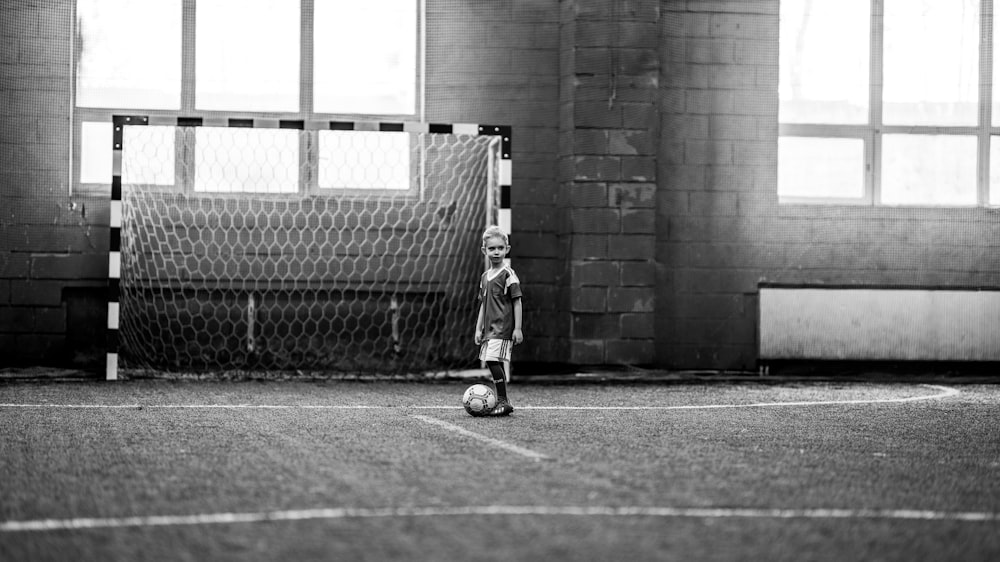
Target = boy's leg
(499,378)
(503,407)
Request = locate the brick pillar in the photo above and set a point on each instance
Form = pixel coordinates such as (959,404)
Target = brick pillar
(609,119)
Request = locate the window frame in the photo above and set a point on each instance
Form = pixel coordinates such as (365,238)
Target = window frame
(872,132)
(308,154)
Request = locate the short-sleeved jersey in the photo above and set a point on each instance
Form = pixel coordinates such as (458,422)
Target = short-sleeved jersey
(498,289)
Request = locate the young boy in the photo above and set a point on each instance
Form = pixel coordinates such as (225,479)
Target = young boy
(498,327)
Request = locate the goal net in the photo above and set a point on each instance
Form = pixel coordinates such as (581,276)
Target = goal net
(346,250)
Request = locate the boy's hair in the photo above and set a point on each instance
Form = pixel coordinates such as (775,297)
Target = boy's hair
(495,232)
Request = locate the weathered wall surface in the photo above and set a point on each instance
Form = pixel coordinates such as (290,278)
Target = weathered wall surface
(645,212)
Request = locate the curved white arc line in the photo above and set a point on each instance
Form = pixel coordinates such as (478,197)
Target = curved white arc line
(495,510)
(947,393)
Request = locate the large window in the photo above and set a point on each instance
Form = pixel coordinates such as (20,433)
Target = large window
(888,102)
(288,59)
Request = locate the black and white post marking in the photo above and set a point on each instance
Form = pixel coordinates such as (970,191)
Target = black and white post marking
(115,248)
(119,123)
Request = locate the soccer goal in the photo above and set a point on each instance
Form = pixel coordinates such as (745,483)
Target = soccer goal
(258,245)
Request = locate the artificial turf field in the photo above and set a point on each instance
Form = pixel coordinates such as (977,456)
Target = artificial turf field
(160,470)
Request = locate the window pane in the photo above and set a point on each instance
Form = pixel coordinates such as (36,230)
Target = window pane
(821,167)
(996,70)
(931,62)
(246,160)
(928,170)
(994,170)
(95,153)
(247,55)
(149,154)
(824,61)
(365,57)
(129,54)
(364,160)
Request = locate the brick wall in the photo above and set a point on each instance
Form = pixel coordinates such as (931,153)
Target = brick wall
(489,62)
(720,229)
(498,63)
(52,245)
(644,203)
(607,181)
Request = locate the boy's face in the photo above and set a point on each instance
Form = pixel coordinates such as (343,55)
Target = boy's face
(495,249)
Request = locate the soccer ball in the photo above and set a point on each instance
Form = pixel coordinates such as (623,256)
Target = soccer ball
(479,399)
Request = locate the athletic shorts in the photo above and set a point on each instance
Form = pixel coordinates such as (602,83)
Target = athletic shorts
(495,350)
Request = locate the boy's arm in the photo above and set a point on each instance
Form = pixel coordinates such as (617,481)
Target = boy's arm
(518,335)
(479,325)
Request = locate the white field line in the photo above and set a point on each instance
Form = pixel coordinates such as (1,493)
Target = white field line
(206,406)
(494,510)
(488,440)
(945,393)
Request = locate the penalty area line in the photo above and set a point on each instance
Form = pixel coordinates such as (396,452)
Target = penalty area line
(480,437)
(493,510)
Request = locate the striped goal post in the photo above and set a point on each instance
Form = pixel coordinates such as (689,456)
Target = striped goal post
(331,251)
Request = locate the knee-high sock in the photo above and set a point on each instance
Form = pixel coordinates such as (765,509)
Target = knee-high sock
(499,379)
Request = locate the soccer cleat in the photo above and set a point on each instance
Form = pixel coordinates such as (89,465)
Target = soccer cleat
(503,408)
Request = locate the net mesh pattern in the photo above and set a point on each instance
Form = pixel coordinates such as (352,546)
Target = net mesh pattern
(240,251)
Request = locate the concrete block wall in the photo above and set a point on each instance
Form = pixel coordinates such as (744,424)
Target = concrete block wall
(498,63)
(488,62)
(644,200)
(719,106)
(720,230)
(607,177)
(53,246)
